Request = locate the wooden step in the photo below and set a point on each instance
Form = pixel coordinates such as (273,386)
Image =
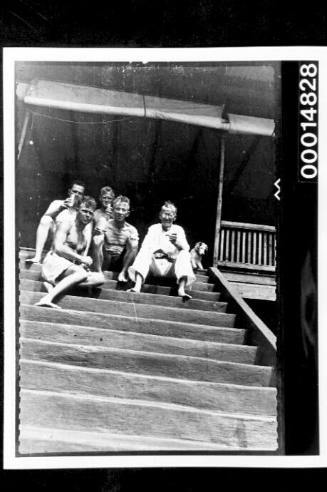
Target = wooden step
(121,295)
(227,398)
(136,310)
(250,278)
(151,363)
(140,325)
(136,341)
(108,274)
(113,415)
(43,440)
(34,275)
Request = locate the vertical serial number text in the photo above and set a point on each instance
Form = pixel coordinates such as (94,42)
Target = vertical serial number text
(308,121)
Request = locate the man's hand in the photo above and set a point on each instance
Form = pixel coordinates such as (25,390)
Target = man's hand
(65,204)
(172,237)
(87,261)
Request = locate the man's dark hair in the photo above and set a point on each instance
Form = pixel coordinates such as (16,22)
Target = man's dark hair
(77,182)
(89,202)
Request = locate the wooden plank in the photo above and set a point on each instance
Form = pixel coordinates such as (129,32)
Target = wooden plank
(227,398)
(76,334)
(82,413)
(141,325)
(200,277)
(43,440)
(142,298)
(245,226)
(23,133)
(232,252)
(270,249)
(265,250)
(247,266)
(197,286)
(260,253)
(243,248)
(151,363)
(249,246)
(259,334)
(238,246)
(254,291)
(219,198)
(227,250)
(222,244)
(254,248)
(250,278)
(135,310)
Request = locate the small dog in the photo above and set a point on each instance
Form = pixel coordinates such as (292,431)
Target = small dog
(197,252)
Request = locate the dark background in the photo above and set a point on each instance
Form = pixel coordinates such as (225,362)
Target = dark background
(151,160)
(172,24)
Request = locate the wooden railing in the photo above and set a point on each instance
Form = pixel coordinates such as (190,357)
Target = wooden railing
(250,246)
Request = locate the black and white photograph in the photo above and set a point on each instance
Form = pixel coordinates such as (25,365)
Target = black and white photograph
(148,313)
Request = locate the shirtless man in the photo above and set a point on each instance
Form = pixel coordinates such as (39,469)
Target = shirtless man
(66,265)
(104,213)
(48,221)
(118,243)
(165,253)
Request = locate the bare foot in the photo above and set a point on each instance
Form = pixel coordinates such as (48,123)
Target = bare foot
(182,293)
(48,286)
(44,303)
(33,260)
(122,277)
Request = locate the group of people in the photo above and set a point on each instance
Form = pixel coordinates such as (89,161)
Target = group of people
(87,240)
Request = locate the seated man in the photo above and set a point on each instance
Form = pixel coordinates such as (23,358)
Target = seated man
(118,242)
(66,265)
(104,213)
(53,214)
(164,252)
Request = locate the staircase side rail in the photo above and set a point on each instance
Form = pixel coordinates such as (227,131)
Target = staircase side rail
(258,333)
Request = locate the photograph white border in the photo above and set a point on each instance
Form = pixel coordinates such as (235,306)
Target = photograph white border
(10,56)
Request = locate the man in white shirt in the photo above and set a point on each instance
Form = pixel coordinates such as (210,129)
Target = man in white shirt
(164,253)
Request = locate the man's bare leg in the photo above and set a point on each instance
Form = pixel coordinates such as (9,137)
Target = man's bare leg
(94,279)
(48,286)
(45,226)
(73,277)
(138,283)
(181,289)
(127,261)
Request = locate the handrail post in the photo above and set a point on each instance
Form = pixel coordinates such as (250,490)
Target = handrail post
(220,200)
(23,133)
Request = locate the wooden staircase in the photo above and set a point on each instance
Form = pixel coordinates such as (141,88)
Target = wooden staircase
(116,371)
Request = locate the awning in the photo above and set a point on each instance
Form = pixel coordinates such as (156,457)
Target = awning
(96,100)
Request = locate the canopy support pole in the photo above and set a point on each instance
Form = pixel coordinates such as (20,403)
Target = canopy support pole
(23,134)
(220,200)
